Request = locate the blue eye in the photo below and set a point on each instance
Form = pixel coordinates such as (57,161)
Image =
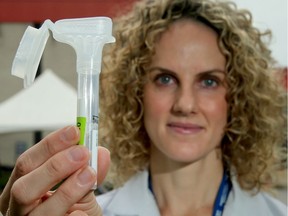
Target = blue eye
(164,79)
(209,83)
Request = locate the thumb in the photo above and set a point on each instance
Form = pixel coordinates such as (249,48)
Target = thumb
(87,206)
(103,164)
(78,213)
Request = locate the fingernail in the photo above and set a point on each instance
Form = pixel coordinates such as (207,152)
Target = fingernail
(77,153)
(69,134)
(86,176)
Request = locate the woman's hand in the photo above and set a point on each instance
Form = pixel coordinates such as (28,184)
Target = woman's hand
(44,165)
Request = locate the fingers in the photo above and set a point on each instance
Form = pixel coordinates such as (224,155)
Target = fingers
(46,148)
(46,164)
(103,163)
(75,195)
(78,213)
(88,205)
(70,192)
(37,155)
(42,179)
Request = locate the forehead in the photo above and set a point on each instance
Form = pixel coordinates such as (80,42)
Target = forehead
(189,44)
(188,29)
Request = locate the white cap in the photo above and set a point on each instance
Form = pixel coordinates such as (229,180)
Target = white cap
(29,53)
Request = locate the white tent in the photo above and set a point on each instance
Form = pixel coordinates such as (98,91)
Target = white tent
(48,104)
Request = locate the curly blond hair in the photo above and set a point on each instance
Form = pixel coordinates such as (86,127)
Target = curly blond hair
(256,127)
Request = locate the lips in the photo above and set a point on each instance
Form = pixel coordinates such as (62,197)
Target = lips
(185,128)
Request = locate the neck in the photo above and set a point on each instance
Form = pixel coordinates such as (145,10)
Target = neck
(186,187)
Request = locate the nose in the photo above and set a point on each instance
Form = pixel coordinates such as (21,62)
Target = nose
(185,102)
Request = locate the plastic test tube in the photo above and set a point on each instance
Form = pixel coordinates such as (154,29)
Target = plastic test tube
(87,113)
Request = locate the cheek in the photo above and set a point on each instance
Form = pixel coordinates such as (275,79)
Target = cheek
(155,103)
(215,108)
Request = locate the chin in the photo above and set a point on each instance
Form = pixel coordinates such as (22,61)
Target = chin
(185,155)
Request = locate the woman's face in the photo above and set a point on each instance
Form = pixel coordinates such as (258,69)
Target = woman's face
(185,110)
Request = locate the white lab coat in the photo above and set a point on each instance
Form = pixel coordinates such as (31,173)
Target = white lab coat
(135,199)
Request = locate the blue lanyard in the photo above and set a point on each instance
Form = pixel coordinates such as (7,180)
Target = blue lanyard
(221,197)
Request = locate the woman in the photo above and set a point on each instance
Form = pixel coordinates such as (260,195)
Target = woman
(181,95)
(191,106)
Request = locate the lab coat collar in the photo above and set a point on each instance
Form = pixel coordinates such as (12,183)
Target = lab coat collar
(248,203)
(135,192)
(135,199)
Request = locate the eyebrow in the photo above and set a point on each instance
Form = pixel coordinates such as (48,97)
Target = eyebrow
(215,70)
